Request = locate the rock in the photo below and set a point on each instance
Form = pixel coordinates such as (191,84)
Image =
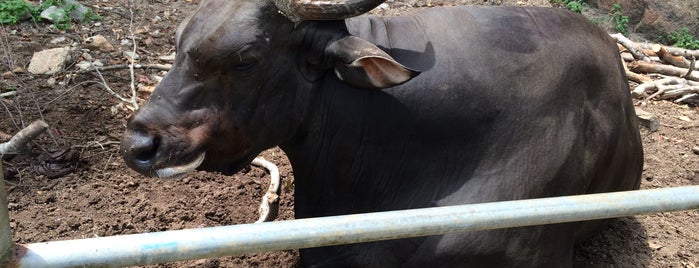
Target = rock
(648,120)
(98,42)
(130,55)
(49,61)
(86,65)
(695,149)
(57,40)
(655,18)
(54,13)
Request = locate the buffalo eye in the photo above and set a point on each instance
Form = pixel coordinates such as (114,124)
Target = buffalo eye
(243,66)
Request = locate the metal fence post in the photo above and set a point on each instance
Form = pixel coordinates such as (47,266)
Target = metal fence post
(5,233)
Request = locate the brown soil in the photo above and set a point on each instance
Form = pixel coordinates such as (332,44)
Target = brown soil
(53,196)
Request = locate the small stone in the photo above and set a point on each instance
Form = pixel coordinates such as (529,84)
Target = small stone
(685,118)
(99,42)
(50,61)
(695,149)
(51,81)
(130,55)
(58,40)
(84,65)
(654,246)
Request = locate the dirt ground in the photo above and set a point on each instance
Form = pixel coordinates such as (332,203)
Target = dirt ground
(75,185)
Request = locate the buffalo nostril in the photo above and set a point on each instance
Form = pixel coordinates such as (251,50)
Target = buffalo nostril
(146,150)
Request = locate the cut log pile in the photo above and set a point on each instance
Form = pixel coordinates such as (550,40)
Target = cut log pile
(661,72)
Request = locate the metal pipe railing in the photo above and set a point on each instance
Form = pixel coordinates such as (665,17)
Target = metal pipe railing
(234,240)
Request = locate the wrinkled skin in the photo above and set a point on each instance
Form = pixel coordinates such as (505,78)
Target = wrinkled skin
(513,103)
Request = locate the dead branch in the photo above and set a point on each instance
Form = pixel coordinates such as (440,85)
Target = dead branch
(666,57)
(665,88)
(679,92)
(160,67)
(638,78)
(689,98)
(270,201)
(677,51)
(8,94)
(131,101)
(645,67)
(19,142)
(132,62)
(634,49)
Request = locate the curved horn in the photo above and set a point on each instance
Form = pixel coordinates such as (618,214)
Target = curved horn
(300,10)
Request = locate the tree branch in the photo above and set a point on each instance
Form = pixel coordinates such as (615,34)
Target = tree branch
(19,142)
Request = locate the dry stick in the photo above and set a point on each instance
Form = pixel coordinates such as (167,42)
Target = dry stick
(675,51)
(687,98)
(18,143)
(8,94)
(638,78)
(692,67)
(645,67)
(641,90)
(631,46)
(161,67)
(270,201)
(666,57)
(662,89)
(677,92)
(132,62)
(106,86)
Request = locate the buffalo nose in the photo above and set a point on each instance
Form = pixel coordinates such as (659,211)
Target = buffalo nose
(140,150)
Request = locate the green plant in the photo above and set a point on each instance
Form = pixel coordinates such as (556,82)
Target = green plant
(572,5)
(683,39)
(621,21)
(12,11)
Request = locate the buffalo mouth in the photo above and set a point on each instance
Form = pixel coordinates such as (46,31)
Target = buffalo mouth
(181,170)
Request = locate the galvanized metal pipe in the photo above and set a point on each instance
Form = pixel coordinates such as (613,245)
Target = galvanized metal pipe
(304,233)
(5,232)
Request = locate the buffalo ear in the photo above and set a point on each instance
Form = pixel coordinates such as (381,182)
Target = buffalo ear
(364,65)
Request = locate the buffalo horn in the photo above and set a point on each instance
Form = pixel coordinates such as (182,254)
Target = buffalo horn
(300,10)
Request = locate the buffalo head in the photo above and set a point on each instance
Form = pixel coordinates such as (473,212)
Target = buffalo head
(242,81)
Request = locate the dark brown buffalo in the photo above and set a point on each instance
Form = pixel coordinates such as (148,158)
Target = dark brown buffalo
(440,107)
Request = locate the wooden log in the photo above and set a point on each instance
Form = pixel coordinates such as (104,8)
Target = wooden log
(679,92)
(677,51)
(19,142)
(648,52)
(689,98)
(646,67)
(631,46)
(666,57)
(641,90)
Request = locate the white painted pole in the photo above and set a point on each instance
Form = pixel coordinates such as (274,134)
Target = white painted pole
(234,240)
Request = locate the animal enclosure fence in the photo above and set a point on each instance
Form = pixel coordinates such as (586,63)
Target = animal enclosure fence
(168,246)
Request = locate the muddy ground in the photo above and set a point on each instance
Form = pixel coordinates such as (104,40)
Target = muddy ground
(75,185)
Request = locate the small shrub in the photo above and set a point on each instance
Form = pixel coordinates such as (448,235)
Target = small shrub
(683,39)
(572,5)
(621,21)
(13,11)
